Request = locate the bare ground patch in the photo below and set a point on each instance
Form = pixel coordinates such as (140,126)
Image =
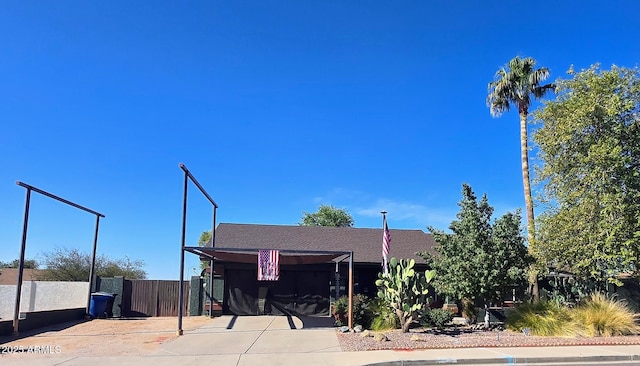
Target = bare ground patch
(101,337)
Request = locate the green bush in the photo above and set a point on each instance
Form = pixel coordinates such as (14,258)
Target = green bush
(362,313)
(436,318)
(384,317)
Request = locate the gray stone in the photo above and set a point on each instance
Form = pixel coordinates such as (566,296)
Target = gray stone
(380,337)
(365,333)
(357,328)
(344,329)
(458,320)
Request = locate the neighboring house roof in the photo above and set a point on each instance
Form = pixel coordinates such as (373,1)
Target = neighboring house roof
(9,276)
(365,243)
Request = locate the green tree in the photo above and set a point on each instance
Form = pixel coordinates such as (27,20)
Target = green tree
(28,263)
(589,152)
(479,260)
(515,84)
(327,216)
(64,264)
(204,241)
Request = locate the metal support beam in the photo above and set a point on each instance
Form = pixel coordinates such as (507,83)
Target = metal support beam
(211,270)
(23,246)
(182,245)
(195,181)
(92,278)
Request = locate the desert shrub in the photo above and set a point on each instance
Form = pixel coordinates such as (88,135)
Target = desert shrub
(362,313)
(597,316)
(384,318)
(541,318)
(436,318)
(603,316)
(340,308)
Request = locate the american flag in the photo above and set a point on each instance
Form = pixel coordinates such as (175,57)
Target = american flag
(386,240)
(268,265)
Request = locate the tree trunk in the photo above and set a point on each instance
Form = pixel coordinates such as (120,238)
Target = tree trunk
(469,311)
(528,199)
(404,321)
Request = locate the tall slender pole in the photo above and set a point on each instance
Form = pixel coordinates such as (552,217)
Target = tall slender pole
(93,264)
(211,271)
(385,254)
(25,224)
(182,245)
(351,290)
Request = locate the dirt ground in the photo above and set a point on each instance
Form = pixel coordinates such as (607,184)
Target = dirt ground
(99,337)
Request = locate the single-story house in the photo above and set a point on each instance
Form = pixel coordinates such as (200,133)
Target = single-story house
(313,265)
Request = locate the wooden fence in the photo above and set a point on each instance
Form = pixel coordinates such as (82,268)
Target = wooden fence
(143,298)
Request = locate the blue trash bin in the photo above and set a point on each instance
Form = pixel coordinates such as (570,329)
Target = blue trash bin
(98,304)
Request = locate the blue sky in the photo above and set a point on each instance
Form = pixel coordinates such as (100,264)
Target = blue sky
(275,106)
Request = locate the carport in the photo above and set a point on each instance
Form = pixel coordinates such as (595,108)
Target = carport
(302,289)
(249,255)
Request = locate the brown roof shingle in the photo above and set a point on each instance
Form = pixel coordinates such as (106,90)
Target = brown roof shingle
(365,243)
(9,276)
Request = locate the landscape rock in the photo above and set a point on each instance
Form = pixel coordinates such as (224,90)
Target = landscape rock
(416,338)
(357,328)
(344,329)
(380,337)
(365,333)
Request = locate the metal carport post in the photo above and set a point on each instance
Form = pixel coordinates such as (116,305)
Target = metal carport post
(23,245)
(187,176)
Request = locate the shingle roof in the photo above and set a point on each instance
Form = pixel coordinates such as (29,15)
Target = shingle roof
(365,243)
(9,276)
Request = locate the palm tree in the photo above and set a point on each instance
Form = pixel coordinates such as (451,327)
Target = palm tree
(514,84)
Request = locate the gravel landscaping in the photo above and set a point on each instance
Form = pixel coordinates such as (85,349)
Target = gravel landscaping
(464,337)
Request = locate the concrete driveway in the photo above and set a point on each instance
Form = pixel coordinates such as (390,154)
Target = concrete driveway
(227,340)
(239,335)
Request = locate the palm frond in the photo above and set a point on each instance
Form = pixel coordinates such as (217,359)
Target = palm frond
(514,83)
(538,76)
(540,91)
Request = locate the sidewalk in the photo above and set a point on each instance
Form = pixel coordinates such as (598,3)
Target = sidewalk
(269,340)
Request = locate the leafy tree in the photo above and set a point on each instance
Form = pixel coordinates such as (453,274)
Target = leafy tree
(203,241)
(478,260)
(327,216)
(515,84)
(28,263)
(64,264)
(589,152)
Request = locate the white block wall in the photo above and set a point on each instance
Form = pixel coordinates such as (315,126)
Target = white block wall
(43,295)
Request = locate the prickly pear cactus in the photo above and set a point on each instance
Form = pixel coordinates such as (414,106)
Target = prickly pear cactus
(404,289)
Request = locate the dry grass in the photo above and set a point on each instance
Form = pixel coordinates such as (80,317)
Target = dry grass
(542,319)
(601,316)
(598,316)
